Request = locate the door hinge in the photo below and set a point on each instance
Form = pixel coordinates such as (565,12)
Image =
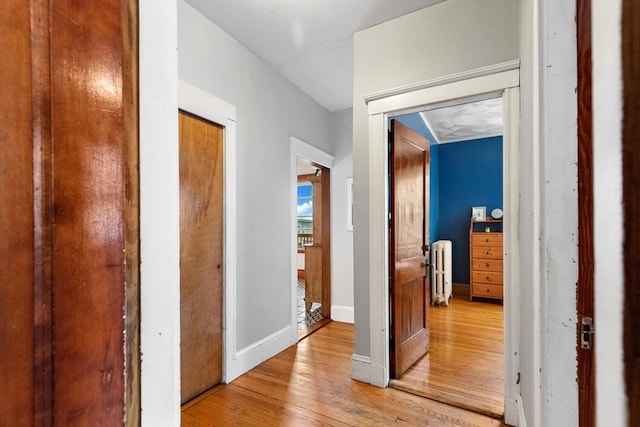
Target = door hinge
(586,332)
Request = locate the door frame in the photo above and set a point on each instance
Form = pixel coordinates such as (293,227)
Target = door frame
(207,106)
(300,148)
(502,79)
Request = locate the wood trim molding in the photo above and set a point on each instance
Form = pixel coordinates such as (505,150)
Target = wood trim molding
(585,286)
(631,203)
(130,93)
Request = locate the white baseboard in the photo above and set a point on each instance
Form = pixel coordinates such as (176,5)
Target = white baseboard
(360,366)
(512,411)
(253,355)
(342,313)
(522,421)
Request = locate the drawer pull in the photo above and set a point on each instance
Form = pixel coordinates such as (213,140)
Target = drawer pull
(488,279)
(486,264)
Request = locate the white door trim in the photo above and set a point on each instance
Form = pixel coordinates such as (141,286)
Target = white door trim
(300,148)
(207,106)
(380,110)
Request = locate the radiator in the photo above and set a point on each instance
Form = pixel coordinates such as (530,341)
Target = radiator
(441,272)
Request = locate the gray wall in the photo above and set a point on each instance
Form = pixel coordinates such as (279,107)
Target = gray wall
(269,110)
(342,240)
(447,38)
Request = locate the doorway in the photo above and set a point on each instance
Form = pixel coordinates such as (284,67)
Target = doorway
(381,107)
(311,237)
(464,364)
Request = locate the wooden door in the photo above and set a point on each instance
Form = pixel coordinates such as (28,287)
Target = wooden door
(408,247)
(585,286)
(318,256)
(17,393)
(69,349)
(201,254)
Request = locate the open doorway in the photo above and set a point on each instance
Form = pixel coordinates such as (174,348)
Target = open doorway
(382,106)
(311,245)
(464,365)
(312,238)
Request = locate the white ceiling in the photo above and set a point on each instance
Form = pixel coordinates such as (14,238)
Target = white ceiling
(310,42)
(480,119)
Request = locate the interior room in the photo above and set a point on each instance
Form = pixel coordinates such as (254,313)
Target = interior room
(150,255)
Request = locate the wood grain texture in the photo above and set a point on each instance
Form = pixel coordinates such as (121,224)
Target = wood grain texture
(43,211)
(17,392)
(464,366)
(89,194)
(309,384)
(326,239)
(130,97)
(631,202)
(409,283)
(201,257)
(584,288)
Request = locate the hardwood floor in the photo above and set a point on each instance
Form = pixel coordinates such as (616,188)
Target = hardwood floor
(464,366)
(309,384)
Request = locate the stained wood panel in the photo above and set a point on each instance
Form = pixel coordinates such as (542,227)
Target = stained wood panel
(69,213)
(17,392)
(631,201)
(585,286)
(409,294)
(201,222)
(90,166)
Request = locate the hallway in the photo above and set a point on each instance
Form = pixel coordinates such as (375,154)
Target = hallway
(310,384)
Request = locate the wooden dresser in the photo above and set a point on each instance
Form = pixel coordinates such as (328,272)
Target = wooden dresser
(486,259)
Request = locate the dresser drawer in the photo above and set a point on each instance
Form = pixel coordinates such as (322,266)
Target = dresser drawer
(486,239)
(487,291)
(486,264)
(490,277)
(493,252)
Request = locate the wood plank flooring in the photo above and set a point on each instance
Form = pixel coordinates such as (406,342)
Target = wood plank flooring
(309,384)
(464,366)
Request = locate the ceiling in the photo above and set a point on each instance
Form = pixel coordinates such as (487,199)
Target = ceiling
(310,42)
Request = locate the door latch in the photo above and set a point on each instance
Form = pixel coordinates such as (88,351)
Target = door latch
(586,332)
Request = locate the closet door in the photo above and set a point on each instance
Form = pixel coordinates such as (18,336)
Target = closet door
(201,226)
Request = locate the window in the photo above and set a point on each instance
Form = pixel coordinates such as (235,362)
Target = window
(305,214)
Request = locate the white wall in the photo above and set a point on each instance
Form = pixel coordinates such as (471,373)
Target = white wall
(447,38)
(611,409)
(549,213)
(159,215)
(341,238)
(459,35)
(269,110)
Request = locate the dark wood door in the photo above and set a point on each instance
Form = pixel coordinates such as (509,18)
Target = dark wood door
(17,393)
(585,286)
(408,247)
(201,231)
(69,350)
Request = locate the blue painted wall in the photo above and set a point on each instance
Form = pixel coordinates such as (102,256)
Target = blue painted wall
(462,175)
(470,174)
